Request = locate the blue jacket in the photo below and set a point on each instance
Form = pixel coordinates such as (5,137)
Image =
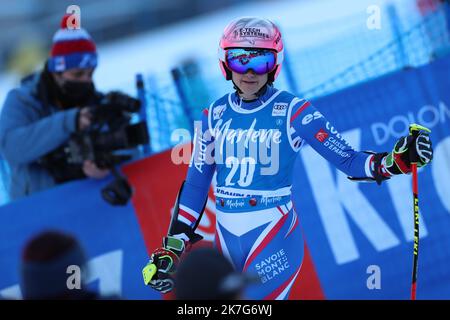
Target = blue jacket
(28,130)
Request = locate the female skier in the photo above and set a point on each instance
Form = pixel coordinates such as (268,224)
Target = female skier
(250,138)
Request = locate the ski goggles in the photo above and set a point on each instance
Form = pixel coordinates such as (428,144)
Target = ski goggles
(240,60)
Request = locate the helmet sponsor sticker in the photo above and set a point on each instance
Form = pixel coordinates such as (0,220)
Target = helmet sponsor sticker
(251,32)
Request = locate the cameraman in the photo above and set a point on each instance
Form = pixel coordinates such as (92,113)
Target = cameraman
(40,116)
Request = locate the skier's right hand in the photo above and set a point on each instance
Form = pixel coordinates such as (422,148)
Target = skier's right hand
(165,260)
(419,147)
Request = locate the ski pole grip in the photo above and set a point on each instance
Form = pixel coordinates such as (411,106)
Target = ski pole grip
(414,130)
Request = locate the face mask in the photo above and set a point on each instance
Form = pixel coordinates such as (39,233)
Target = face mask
(76,93)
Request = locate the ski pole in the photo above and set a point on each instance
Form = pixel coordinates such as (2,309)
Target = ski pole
(414,130)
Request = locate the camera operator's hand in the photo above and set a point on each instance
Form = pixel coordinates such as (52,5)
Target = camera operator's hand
(84,119)
(91,170)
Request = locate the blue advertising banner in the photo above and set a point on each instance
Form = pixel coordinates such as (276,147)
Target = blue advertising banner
(110,236)
(360,234)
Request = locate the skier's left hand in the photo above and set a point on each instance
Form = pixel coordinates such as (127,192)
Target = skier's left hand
(165,260)
(399,160)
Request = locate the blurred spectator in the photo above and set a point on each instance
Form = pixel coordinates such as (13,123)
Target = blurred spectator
(205,274)
(39,117)
(45,263)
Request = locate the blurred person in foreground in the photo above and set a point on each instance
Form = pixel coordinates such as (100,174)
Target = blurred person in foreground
(40,116)
(205,274)
(44,268)
(251,138)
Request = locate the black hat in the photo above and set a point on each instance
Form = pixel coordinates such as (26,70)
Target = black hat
(45,261)
(205,274)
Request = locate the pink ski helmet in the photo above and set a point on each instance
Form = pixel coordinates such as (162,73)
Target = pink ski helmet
(253,33)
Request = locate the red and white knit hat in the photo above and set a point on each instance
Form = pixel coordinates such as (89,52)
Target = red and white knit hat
(72,48)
